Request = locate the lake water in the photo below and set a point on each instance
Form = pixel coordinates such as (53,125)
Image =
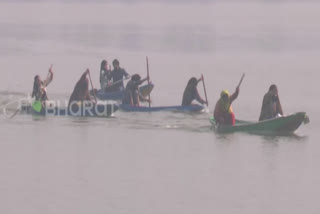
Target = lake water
(160,162)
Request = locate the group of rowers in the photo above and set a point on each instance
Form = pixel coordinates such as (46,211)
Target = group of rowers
(110,81)
(113,81)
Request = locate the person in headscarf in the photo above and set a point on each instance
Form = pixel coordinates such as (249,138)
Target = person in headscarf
(105,75)
(80,92)
(39,87)
(118,74)
(132,94)
(271,106)
(191,93)
(223,112)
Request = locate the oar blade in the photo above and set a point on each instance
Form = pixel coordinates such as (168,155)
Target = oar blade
(205,90)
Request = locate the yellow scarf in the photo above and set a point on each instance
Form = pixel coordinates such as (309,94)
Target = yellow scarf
(225,106)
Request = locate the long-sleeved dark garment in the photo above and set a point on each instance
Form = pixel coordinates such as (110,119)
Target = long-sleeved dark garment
(117,75)
(191,93)
(81,91)
(132,95)
(271,106)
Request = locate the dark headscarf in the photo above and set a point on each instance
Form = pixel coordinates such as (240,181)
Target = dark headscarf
(81,90)
(36,86)
(272,87)
(192,83)
(83,84)
(136,77)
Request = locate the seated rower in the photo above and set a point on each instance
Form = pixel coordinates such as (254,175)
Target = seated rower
(117,75)
(39,90)
(105,75)
(271,106)
(191,93)
(80,92)
(223,112)
(132,94)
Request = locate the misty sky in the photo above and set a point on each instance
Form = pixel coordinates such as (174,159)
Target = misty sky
(158,1)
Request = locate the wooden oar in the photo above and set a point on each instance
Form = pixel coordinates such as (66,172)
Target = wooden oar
(116,82)
(16,101)
(148,76)
(239,84)
(241,79)
(4,108)
(15,113)
(204,88)
(94,93)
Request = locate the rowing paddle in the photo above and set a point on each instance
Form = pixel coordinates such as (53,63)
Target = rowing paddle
(241,79)
(15,113)
(204,88)
(239,85)
(4,108)
(116,82)
(148,76)
(94,93)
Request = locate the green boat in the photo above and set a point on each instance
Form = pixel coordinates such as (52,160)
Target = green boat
(277,126)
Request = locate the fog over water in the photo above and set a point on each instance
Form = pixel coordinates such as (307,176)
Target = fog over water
(160,162)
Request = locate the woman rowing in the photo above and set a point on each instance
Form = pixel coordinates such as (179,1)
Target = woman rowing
(271,106)
(223,113)
(191,93)
(39,90)
(132,94)
(80,93)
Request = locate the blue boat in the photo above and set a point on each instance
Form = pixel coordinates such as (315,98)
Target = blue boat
(190,108)
(118,95)
(94,111)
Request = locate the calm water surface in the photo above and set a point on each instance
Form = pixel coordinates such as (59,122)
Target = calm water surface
(160,162)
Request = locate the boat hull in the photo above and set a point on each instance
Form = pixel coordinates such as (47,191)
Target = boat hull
(118,95)
(190,108)
(281,125)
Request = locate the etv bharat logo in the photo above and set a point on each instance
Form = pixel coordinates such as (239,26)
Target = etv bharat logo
(85,108)
(54,108)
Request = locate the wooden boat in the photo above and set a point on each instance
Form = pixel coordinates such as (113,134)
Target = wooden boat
(95,111)
(118,95)
(281,125)
(190,108)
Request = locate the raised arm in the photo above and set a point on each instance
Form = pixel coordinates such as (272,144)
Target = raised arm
(125,74)
(234,95)
(49,77)
(279,107)
(198,98)
(143,80)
